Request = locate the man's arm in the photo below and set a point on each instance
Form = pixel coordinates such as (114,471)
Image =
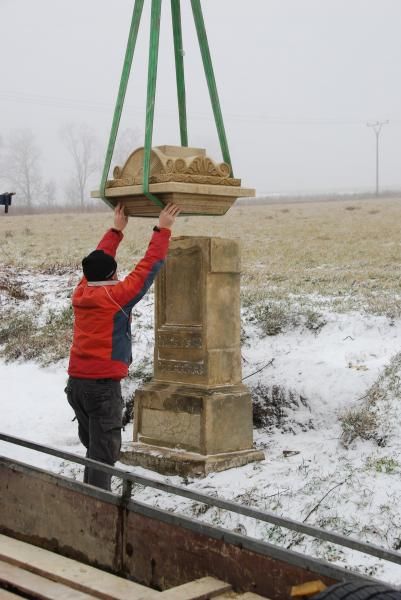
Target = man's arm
(129,291)
(112,238)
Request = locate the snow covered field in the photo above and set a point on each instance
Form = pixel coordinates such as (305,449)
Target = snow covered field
(360,485)
(317,369)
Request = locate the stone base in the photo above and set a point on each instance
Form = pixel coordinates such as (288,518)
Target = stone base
(178,462)
(201,420)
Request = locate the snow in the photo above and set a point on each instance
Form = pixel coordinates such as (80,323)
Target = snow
(34,407)
(331,369)
(322,482)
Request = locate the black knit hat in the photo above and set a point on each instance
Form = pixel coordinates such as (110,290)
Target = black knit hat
(99,266)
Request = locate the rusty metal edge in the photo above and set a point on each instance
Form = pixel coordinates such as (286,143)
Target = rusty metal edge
(348,542)
(243,542)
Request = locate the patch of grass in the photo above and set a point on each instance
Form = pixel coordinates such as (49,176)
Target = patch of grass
(16,330)
(275,317)
(271,405)
(198,509)
(317,250)
(358,423)
(21,337)
(314,321)
(56,335)
(141,372)
(385,464)
(61,268)
(375,419)
(244,337)
(272,318)
(12,287)
(275,535)
(251,297)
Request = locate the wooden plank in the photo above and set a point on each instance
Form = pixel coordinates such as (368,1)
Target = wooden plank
(42,588)
(6,595)
(244,596)
(250,596)
(70,572)
(200,589)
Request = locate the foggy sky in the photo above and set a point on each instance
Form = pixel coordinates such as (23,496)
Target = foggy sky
(297,80)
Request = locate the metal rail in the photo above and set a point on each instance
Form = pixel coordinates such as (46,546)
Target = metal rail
(193,526)
(129,478)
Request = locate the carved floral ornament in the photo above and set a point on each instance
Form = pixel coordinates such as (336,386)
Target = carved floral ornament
(173,163)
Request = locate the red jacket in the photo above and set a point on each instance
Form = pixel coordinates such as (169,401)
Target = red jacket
(101,346)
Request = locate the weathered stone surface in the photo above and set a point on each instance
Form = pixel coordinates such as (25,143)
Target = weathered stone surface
(173,163)
(196,403)
(198,313)
(177,462)
(202,420)
(168,428)
(224,256)
(185,176)
(192,199)
(227,425)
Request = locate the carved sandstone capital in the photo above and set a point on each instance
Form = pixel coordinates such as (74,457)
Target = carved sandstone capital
(173,163)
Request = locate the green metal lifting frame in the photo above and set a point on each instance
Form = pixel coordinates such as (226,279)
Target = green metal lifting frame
(151,89)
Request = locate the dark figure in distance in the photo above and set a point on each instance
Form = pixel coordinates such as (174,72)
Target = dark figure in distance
(5,200)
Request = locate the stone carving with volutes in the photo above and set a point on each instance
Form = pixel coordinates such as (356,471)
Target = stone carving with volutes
(173,163)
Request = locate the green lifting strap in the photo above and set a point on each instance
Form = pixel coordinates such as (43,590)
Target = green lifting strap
(211,82)
(179,70)
(150,100)
(129,53)
(151,89)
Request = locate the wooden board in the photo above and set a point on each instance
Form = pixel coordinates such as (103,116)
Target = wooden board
(200,589)
(6,595)
(245,596)
(70,572)
(39,587)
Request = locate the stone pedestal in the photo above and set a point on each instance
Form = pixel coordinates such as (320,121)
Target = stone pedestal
(195,416)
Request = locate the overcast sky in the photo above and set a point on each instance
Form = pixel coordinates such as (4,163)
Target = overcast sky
(297,79)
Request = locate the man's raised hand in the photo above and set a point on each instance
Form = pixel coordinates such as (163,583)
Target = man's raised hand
(120,218)
(168,215)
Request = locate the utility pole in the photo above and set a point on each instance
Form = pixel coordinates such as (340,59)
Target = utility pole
(377,127)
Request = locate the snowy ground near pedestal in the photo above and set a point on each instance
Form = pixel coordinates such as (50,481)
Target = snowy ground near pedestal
(308,474)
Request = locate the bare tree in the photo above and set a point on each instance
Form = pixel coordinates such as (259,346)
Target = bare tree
(49,194)
(83,148)
(21,166)
(127,142)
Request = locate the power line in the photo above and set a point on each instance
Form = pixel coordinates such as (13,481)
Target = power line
(59,102)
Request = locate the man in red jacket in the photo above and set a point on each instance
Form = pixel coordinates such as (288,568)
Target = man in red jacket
(101,348)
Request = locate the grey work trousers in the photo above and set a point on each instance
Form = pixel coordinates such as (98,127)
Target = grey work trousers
(98,406)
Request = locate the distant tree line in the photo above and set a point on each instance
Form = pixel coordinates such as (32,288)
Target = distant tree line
(21,168)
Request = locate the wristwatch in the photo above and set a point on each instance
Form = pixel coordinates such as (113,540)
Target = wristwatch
(156,228)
